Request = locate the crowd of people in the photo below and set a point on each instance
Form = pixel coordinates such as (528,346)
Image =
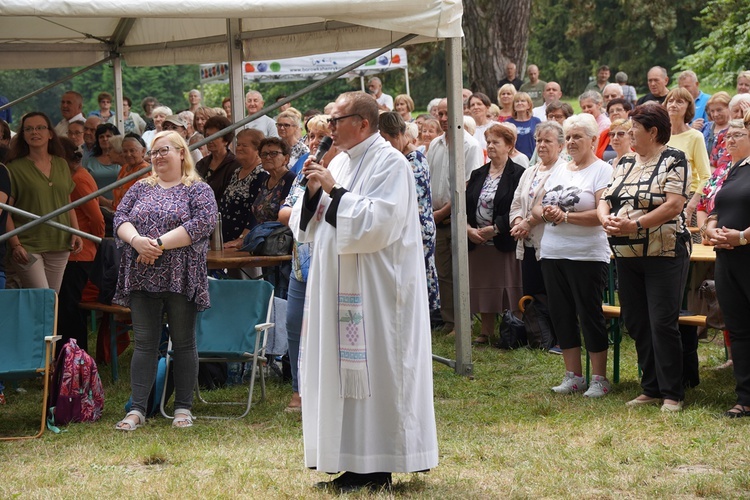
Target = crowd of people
(551,195)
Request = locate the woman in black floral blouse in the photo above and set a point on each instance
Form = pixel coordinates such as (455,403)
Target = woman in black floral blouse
(642,212)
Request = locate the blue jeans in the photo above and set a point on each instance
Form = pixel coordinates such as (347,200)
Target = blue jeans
(294,307)
(147,313)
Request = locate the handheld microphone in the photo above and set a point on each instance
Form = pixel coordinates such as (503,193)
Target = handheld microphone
(323,147)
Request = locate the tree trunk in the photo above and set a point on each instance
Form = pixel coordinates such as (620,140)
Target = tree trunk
(495,32)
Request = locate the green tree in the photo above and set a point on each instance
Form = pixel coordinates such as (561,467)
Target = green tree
(724,50)
(571,38)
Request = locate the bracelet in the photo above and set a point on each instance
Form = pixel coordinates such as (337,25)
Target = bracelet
(13,248)
(544,218)
(566,217)
(131,239)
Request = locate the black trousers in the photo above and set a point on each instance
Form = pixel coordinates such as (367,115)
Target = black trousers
(531,273)
(733,291)
(651,290)
(71,320)
(574,290)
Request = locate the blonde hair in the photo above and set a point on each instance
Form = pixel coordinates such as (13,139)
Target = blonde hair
(522,96)
(291,114)
(470,125)
(494,111)
(508,87)
(621,123)
(189,174)
(405,98)
(318,122)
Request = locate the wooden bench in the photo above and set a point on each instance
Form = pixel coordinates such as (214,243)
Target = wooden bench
(612,312)
(114,312)
(612,315)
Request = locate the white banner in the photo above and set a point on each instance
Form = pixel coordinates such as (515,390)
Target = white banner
(313,67)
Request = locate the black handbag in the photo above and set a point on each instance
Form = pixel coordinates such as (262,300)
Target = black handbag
(538,324)
(714,317)
(512,332)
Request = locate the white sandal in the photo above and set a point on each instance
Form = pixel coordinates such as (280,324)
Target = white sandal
(182,418)
(127,424)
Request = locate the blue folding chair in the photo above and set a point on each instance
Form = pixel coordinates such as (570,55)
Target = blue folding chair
(28,332)
(233,330)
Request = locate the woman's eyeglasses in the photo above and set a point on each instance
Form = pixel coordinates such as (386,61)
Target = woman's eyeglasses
(162,151)
(38,128)
(619,133)
(270,154)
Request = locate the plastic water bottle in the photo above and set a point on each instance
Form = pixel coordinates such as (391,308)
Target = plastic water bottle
(217,238)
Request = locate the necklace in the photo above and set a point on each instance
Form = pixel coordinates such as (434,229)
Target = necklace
(650,159)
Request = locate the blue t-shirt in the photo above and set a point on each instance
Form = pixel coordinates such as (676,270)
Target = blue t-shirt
(525,142)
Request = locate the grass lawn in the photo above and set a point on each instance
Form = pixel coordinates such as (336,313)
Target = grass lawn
(503,434)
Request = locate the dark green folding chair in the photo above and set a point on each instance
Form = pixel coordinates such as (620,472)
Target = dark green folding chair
(28,332)
(233,330)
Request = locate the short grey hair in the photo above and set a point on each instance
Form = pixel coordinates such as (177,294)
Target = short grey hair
(688,74)
(615,86)
(663,71)
(621,77)
(737,99)
(593,95)
(736,123)
(584,121)
(162,110)
(550,126)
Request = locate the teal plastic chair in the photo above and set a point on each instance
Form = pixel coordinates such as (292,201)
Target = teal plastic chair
(233,330)
(28,332)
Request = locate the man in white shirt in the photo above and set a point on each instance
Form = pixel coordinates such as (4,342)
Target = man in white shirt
(375,88)
(253,103)
(439,161)
(552,93)
(71,108)
(365,354)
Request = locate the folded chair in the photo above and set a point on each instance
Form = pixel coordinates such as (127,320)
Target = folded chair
(28,328)
(233,330)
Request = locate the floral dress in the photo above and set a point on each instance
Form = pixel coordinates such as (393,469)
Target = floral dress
(237,201)
(421,171)
(268,202)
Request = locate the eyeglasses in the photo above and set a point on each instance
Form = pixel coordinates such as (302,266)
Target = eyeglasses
(162,151)
(285,125)
(335,121)
(737,136)
(619,133)
(555,117)
(270,154)
(73,132)
(38,128)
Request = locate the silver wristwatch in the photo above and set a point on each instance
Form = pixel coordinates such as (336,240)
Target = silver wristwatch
(743,241)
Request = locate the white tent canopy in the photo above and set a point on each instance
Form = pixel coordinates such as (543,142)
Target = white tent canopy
(64,33)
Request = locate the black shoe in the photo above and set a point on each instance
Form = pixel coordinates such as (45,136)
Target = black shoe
(737,411)
(351,481)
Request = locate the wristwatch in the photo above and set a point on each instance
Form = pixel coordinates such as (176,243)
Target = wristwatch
(158,242)
(638,224)
(743,241)
(334,188)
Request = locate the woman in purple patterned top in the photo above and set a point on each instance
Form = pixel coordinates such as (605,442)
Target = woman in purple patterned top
(164,223)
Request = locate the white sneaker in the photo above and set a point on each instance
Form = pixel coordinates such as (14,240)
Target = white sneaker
(571,384)
(599,387)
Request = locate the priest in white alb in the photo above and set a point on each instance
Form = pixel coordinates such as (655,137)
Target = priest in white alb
(365,351)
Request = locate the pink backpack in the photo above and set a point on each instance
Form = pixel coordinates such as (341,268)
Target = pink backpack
(77,394)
